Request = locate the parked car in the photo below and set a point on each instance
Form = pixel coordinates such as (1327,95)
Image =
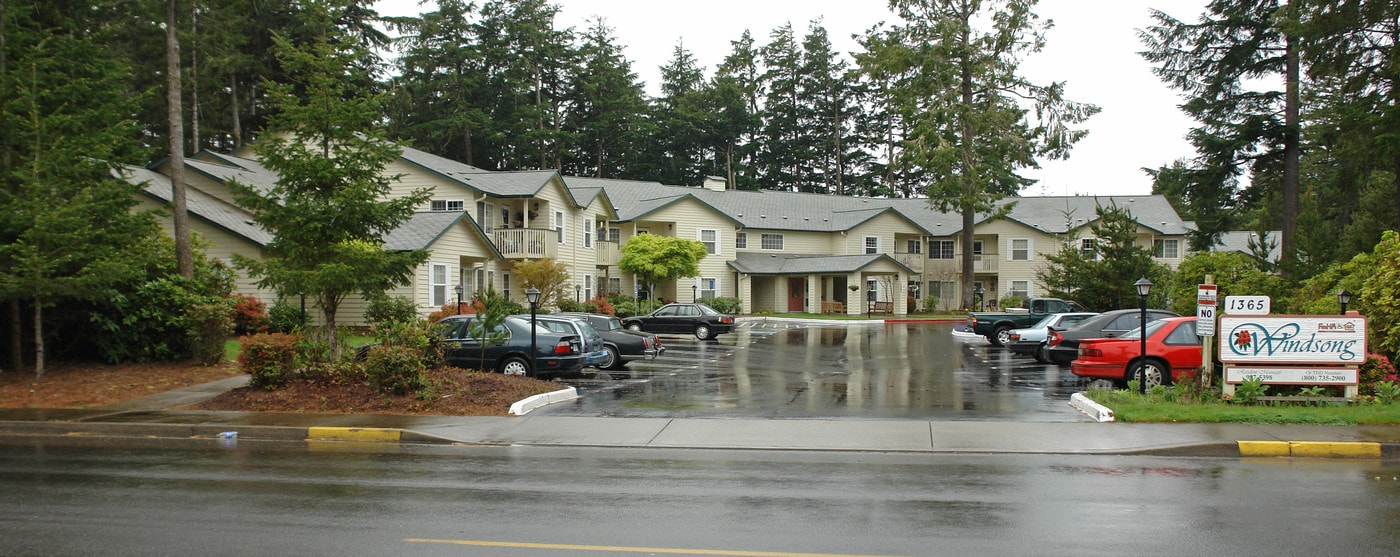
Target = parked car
(1173,349)
(622,345)
(556,354)
(702,320)
(1031,340)
(996,326)
(593,348)
(1064,344)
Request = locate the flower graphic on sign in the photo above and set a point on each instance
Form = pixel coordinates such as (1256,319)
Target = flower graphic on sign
(1242,339)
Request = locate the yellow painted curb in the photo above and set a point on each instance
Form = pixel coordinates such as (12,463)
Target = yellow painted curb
(354,434)
(1336,450)
(1310,449)
(1264,448)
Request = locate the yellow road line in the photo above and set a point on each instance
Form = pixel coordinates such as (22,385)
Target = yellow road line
(625,549)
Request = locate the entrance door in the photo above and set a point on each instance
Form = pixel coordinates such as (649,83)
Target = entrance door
(797,294)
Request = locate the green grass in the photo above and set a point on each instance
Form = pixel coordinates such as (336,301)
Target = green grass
(1130,406)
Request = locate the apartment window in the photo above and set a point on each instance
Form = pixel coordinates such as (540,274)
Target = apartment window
(438,275)
(614,285)
(1020,289)
(1020,249)
(872,244)
(614,235)
(587,233)
(941,249)
(447,204)
(741,240)
(914,246)
(943,289)
(588,287)
(914,289)
(872,290)
(559,225)
(486,215)
(709,288)
(710,238)
(1089,247)
(1166,249)
(771,241)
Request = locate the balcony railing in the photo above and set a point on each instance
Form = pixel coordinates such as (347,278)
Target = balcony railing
(526,243)
(914,261)
(609,253)
(981,263)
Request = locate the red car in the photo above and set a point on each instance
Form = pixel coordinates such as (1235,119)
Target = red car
(1171,344)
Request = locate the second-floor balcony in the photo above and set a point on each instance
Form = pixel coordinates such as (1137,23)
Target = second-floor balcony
(609,253)
(981,263)
(526,243)
(914,261)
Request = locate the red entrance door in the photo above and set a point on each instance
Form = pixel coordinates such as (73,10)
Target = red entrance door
(797,294)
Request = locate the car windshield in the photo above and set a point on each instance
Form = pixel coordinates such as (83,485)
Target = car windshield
(707,310)
(1151,328)
(587,328)
(608,323)
(1043,323)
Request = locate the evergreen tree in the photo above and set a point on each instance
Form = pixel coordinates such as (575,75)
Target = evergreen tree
(1218,63)
(739,74)
(606,101)
(784,144)
(438,101)
(328,211)
(970,128)
(525,66)
(1102,277)
(68,229)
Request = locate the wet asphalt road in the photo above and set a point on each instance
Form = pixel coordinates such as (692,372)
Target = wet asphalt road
(784,369)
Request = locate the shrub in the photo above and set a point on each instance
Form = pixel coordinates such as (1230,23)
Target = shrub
(386,309)
(930,304)
(284,317)
(725,304)
(209,325)
(570,305)
(1376,369)
(626,308)
(395,369)
(416,334)
(269,358)
(250,315)
(1248,391)
(603,306)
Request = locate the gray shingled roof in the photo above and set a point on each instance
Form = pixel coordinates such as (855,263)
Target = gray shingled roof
(792,264)
(1238,240)
(421,230)
(799,212)
(231,218)
(244,171)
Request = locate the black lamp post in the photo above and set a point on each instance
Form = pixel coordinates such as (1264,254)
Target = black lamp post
(578,292)
(458,289)
(977,295)
(1345,298)
(694,293)
(532,295)
(1144,287)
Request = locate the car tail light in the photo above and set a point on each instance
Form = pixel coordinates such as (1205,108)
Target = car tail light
(1055,338)
(1090,351)
(564,347)
(726,320)
(971,321)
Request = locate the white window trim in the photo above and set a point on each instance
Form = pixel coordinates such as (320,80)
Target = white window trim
(1011,288)
(446,204)
(700,237)
(700,289)
(434,286)
(561,226)
(1011,251)
(741,240)
(781,239)
(586,232)
(587,287)
(865,245)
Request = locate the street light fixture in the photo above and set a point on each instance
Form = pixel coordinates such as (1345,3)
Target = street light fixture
(458,289)
(578,291)
(1345,298)
(1144,287)
(977,295)
(532,295)
(694,293)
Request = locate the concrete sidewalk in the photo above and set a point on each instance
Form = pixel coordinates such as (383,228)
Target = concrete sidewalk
(148,417)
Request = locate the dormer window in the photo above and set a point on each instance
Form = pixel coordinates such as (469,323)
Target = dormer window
(447,205)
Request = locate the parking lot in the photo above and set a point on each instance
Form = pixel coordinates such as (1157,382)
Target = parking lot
(802,369)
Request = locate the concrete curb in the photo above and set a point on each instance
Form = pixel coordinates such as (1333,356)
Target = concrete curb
(522,407)
(373,434)
(1098,412)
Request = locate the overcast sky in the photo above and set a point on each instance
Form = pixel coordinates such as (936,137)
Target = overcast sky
(1093,48)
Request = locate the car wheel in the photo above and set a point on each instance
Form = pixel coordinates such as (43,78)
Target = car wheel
(612,358)
(702,332)
(1042,354)
(634,326)
(1156,372)
(1000,336)
(515,365)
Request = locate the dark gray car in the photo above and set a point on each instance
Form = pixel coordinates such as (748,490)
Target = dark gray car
(623,345)
(1064,344)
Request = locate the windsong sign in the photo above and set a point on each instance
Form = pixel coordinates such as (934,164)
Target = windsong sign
(1293,339)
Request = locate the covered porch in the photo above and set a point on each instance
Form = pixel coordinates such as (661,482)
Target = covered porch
(842,284)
